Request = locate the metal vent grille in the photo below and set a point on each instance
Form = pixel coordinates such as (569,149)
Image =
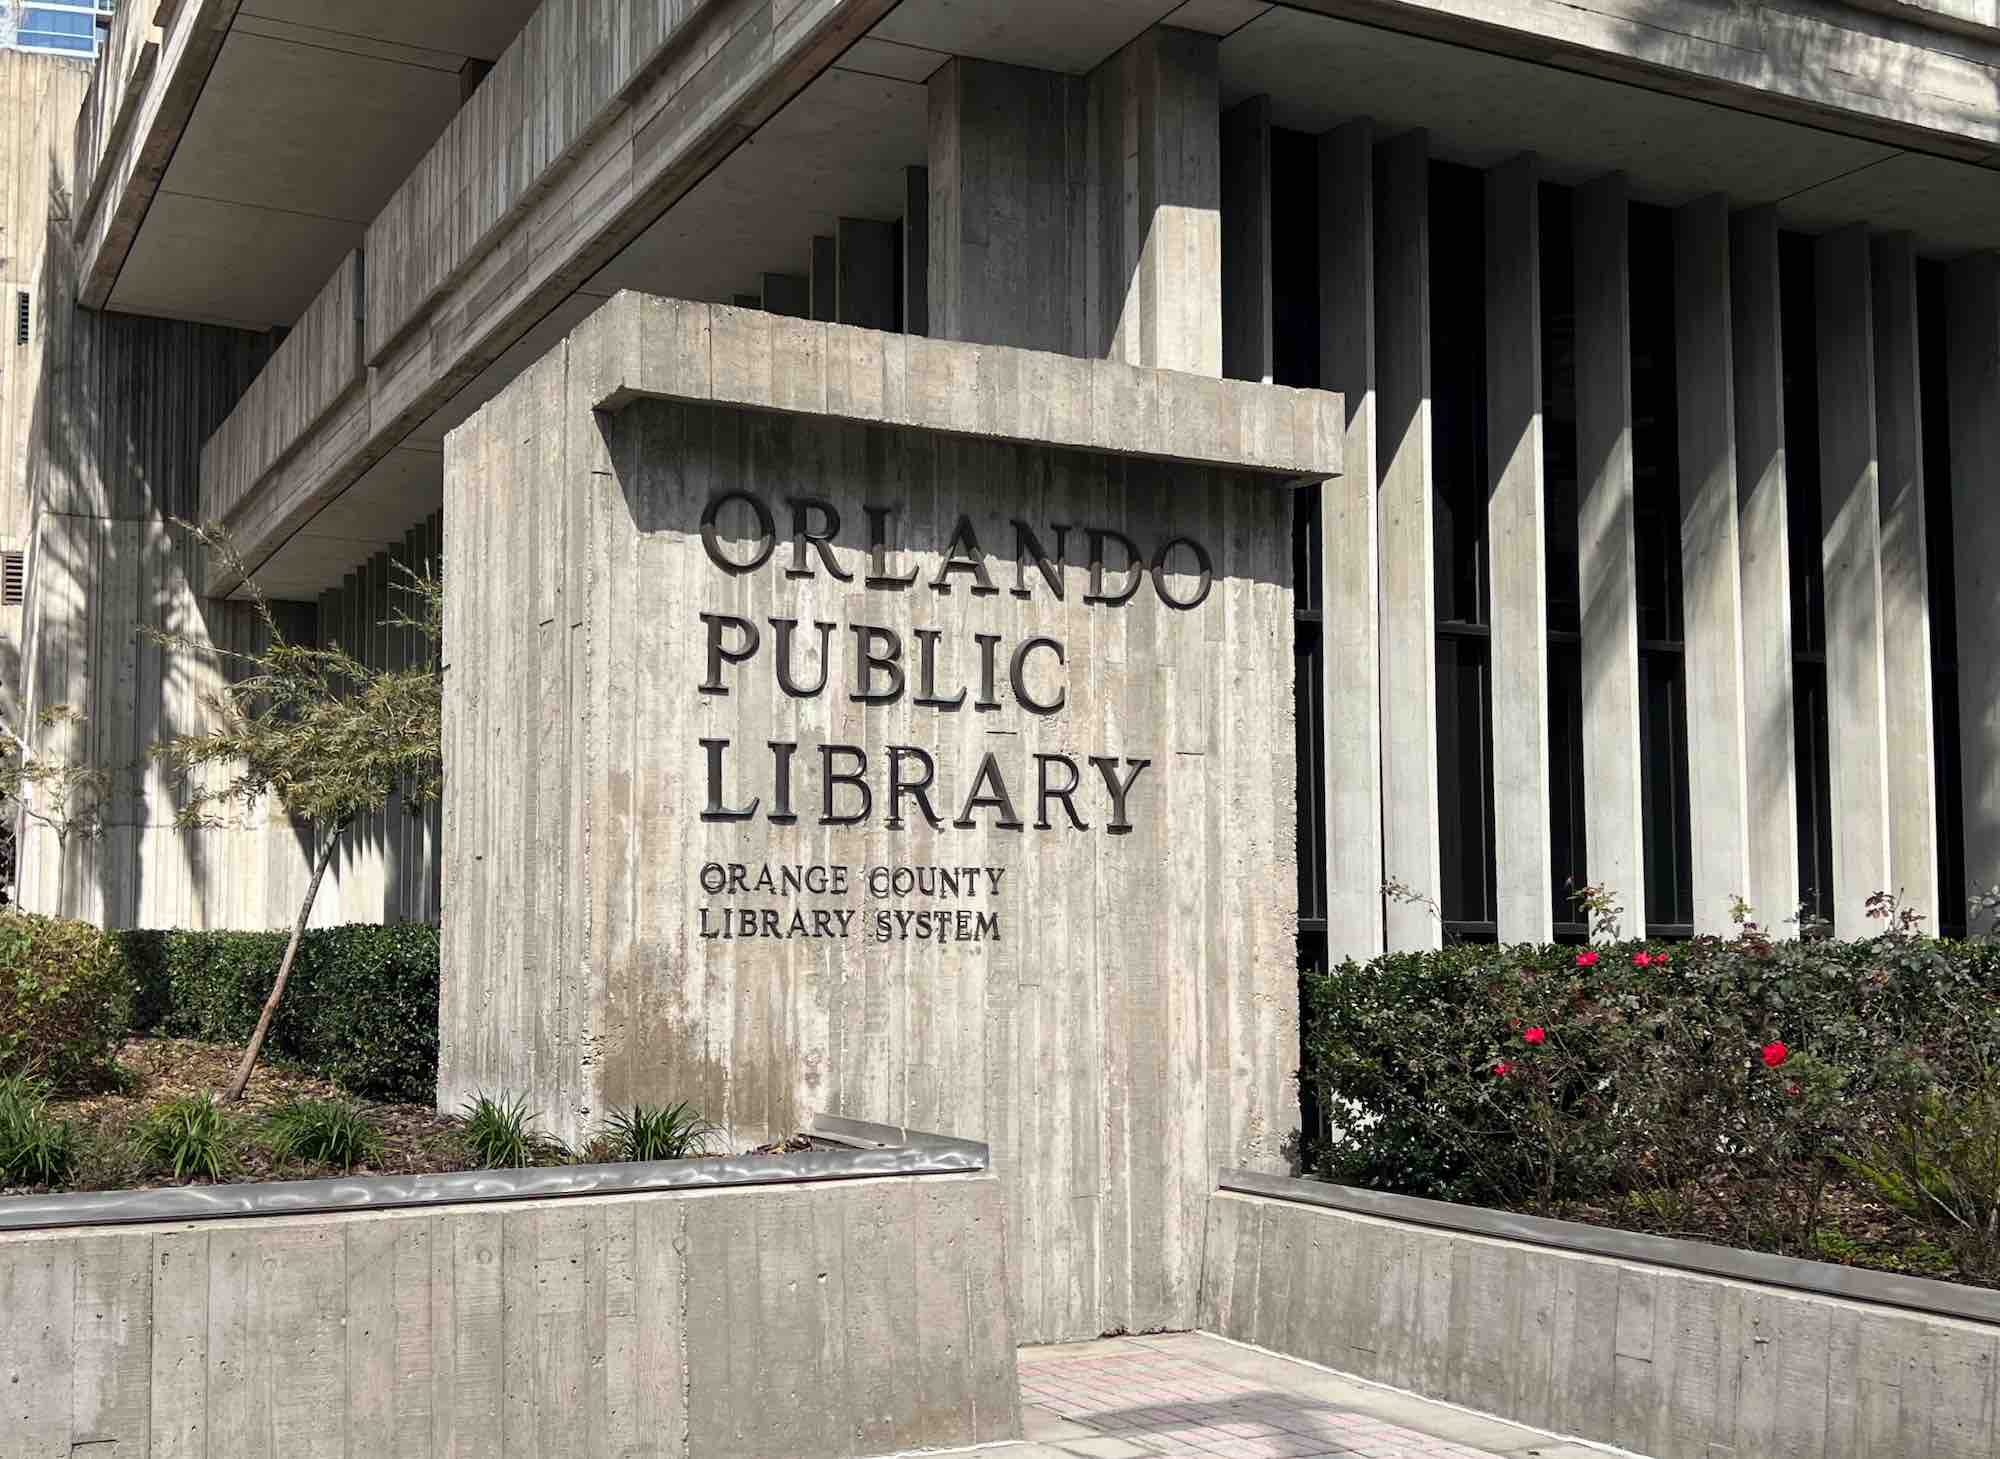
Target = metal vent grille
(22,317)
(13,579)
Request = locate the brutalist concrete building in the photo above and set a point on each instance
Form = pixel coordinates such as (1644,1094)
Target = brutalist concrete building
(980,532)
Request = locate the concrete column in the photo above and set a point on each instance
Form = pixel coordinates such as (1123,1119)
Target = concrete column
(1348,548)
(1247,321)
(1906,604)
(1851,543)
(1006,165)
(1764,540)
(865,285)
(1081,215)
(1518,553)
(1711,565)
(1973,347)
(1408,583)
(1154,293)
(916,250)
(1614,818)
(823,286)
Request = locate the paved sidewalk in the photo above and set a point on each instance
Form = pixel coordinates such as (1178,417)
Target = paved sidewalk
(1191,1394)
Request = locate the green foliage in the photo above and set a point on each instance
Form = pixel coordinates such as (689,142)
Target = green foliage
(653,1132)
(361,1009)
(35,1147)
(1937,1159)
(65,1000)
(1637,1073)
(501,1134)
(188,1135)
(322,1132)
(332,738)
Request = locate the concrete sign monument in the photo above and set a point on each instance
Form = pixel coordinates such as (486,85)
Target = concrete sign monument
(903,729)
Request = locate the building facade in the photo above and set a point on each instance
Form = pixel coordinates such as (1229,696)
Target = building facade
(1651,550)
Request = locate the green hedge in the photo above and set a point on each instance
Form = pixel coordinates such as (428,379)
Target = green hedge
(361,1008)
(1534,1075)
(65,1000)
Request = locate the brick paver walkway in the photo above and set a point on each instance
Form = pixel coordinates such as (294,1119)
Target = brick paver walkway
(1190,1394)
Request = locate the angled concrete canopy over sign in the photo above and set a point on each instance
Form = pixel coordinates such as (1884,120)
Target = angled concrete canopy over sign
(853,721)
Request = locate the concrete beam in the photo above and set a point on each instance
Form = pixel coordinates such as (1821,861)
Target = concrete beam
(1517,544)
(1613,800)
(1351,686)
(1405,500)
(1851,543)
(1764,540)
(1974,391)
(1711,563)
(1906,605)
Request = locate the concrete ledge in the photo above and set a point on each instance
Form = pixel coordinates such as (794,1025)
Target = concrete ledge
(671,349)
(1557,1327)
(861,1309)
(1827,1279)
(880,1150)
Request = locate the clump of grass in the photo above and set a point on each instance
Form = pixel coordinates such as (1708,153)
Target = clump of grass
(322,1132)
(656,1132)
(502,1136)
(188,1135)
(35,1147)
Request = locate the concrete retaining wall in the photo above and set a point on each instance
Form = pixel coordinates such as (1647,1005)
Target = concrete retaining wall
(1508,1315)
(861,1317)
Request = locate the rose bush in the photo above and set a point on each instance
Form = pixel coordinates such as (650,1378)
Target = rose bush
(1719,1084)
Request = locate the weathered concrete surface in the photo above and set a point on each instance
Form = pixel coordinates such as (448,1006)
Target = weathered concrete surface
(1673,1364)
(1109,1038)
(853,1318)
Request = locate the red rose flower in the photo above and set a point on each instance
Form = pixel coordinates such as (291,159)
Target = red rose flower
(1659,959)
(1775,1053)
(1642,959)
(1503,1069)
(1586,959)
(1535,1035)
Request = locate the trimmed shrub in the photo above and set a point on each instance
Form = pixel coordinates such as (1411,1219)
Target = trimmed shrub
(65,1000)
(361,1008)
(1528,1076)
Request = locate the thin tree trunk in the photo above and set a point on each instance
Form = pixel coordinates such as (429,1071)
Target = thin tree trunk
(241,1081)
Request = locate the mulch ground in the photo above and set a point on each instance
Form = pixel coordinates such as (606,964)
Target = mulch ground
(416,1139)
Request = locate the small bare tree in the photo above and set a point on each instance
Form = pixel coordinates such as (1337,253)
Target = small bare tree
(330,738)
(64,795)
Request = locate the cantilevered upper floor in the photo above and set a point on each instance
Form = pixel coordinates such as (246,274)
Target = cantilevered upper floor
(426,193)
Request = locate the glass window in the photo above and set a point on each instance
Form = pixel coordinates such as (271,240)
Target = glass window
(67,28)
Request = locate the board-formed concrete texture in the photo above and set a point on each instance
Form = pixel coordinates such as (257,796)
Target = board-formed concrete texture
(1566,1328)
(959,793)
(857,1317)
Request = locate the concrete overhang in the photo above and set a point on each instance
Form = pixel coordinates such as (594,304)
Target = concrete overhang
(268,135)
(840,146)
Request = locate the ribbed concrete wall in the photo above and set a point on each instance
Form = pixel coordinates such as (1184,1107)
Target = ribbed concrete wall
(1115,1040)
(1668,1363)
(857,1318)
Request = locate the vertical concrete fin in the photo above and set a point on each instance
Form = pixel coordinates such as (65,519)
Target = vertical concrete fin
(1906,619)
(1517,546)
(1973,388)
(1764,541)
(1350,677)
(1851,537)
(1613,805)
(1246,241)
(916,250)
(865,287)
(1711,566)
(1408,588)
